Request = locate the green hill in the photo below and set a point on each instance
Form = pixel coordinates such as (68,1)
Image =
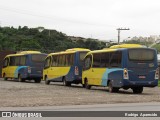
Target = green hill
(24,38)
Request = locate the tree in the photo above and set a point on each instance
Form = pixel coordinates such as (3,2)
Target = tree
(24,38)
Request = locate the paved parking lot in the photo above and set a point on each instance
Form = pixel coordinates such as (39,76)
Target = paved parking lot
(17,94)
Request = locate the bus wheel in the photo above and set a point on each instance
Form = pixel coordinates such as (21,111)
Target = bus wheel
(111,88)
(37,80)
(4,76)
(137,90)
(47,82)
(83,85)
(87,86)
(20,79)
(65,83)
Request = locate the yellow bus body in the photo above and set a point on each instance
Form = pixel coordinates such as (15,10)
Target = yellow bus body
(96,78)
(12,71)
(56,72)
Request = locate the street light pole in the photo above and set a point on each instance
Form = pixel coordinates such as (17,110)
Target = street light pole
(119,30)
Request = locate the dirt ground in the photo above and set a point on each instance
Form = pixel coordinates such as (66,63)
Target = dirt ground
(28,94)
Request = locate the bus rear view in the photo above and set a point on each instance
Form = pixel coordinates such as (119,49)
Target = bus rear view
(141,69)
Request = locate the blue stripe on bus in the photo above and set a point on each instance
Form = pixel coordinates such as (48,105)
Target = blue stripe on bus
(17,71)
(106,73)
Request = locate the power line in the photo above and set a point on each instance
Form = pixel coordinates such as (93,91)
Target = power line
(19,11)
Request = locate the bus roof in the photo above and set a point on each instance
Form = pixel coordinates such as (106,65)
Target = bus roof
(28,52)
(24,53)
(103,50)
(118,47)
(77,49)
(127,46)
(73,50)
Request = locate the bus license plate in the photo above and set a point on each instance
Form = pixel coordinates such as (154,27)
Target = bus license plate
(142,77)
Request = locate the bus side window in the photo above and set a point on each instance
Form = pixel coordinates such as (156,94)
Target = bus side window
(47,62)
(104,60)
(71,59)
(63,60)
(116,58)
(22,61)
(5,62)
(12,61)
(60,60)
(96,60)
(17,61)
(87,62)
(67,60)
(54,61)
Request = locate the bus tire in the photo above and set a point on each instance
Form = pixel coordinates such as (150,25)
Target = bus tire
(111,88)
(137,90)
(4,76)
(47,82)
(37,80)
(20,79)
(65,83)
(87,86)
(83,85)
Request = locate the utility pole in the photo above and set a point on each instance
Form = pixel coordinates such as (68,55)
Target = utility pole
(119,30)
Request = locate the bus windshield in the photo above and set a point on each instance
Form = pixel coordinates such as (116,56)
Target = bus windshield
(141,55)
(38,58)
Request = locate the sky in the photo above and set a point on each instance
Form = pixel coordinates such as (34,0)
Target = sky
(97,19)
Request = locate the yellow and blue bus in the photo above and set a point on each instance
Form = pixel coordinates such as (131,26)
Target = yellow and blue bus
(26,65)
(64,66)
(121,66)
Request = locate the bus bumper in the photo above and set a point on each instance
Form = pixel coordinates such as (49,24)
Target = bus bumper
(128,83)
(31,76)
(75,79)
